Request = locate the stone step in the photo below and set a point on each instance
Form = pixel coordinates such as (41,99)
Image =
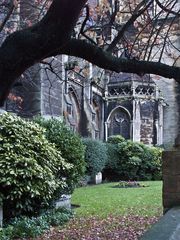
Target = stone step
(167,228)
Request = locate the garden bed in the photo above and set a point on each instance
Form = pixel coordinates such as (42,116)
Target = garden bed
(129,184)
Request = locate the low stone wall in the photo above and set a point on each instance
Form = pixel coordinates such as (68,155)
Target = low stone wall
(167,228)
(64,201)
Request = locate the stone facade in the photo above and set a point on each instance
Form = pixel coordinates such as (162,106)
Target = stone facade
(99,105)
(134,109)
(95,103)
(125,104)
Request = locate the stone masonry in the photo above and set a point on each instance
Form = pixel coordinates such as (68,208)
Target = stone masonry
(171,179)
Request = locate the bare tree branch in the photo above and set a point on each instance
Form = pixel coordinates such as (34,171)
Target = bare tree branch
(106,60)
(85,20)
(82,32)
(53,35)
(166,9)
(113,16)
(165,38)
(137,12)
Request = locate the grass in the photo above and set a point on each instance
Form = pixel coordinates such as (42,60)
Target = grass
(112,213)
(103,200)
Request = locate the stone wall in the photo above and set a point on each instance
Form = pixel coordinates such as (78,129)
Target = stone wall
(170,91)
(52,89)
(171,179)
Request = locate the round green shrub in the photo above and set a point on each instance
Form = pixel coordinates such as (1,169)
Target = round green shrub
(95,155)
(31,168)
(70,145)
(128,160)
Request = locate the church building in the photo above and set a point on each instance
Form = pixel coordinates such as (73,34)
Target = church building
(98,103)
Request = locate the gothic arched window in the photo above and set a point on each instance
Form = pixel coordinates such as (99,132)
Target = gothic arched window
(119,123)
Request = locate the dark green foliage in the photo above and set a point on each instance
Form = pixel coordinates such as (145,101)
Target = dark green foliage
(59,216)
(151,168)
(70,145)
(95,155)
(29,227)
(109,172)
(6,233)
(115,139)
(1,199)
(112,156)
(31,168)
(84,181)
(25,227)
(132,161)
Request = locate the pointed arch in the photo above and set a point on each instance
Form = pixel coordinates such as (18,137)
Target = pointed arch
(119,121)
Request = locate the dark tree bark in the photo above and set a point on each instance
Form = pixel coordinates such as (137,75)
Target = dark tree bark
(52,36)
(106,60)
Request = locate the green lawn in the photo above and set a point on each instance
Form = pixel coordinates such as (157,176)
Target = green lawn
(103,200)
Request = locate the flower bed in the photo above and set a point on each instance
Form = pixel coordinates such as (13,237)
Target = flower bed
(129,184)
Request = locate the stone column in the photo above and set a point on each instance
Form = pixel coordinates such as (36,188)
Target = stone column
(136,128)
(171,179)
(106,130)
(159,123)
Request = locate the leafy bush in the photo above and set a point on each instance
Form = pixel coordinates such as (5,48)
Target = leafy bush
(31,168)
(151,168)
(95,155)
(132,161)
(115,139)
(29,227)
(6,233)
(59,216)
(83,182)
(109,172)
(25,227)
(70,145)
(112,155)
